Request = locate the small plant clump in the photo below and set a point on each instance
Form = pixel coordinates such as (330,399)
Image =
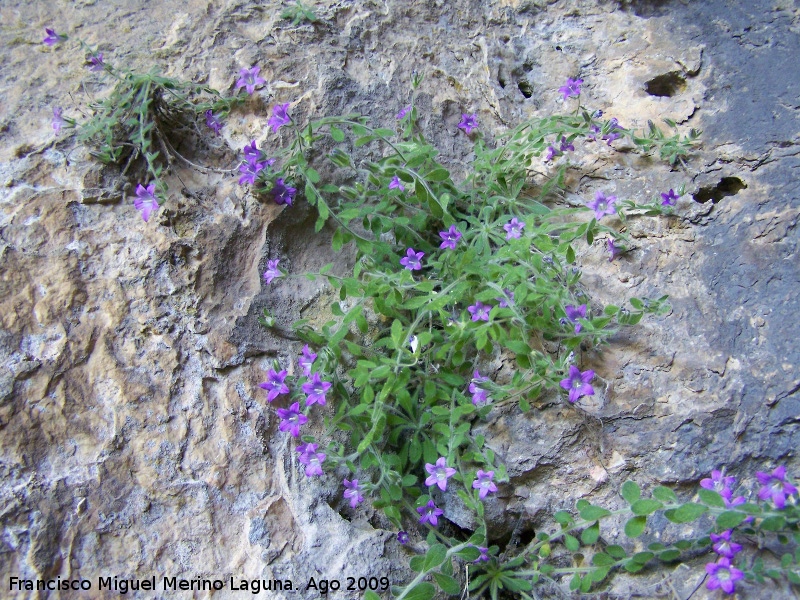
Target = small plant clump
(451,279)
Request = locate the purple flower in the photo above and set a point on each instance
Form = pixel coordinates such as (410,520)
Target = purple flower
(484,557)
(613,249)
(723,575)
(313,462)
(412,260)
(145,201)
(449,238)
(571,88)
(308,448)
(610,137)
(505,301)
(429,513)
(352,494)
(402,537)
(213,122)
(58,121)
(724,546)
(574,313)
(483,482)
(670,198)
(251,153)
(272,271)
(514,229)
(468,122)
(578,383)
(551,153)
(274,384)
(316,390)
(249,79)
(480,396)
(593,131)
(565,145)
(718,483)
(53,38)
(307,360)
(613,131)
(96,62)
(280,117)
(249,172)
(479,311)
(602,205)
(775,487)
(282,193)
(439,473)
(396,185)
(403,112)
(291,419)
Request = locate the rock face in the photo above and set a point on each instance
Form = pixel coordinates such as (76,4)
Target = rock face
(134,440)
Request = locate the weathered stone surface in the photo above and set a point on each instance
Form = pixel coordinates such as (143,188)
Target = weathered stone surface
(134,440)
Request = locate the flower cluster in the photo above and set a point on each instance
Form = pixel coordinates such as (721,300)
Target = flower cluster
(255,167)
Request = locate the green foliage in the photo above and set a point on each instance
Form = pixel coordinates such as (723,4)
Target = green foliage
(298,13)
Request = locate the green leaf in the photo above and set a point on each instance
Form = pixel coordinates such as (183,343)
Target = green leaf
(591,513)
(635,526)
(435,556)
(645,507)
(601,559)
(664,494)
(630,491)
(572,543)
(417,563)
(337,134)
(438,175)
(563,517)
(773,523)
(730,519)
(422,591)
(669,555)
(575,582)
(711,498)
(686,513)
(642,557)
(616,551)
(591,534)
(447,584)
(370,595)
(469,554)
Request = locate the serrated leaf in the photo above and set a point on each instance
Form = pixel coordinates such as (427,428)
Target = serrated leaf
(635,526)
(630,491)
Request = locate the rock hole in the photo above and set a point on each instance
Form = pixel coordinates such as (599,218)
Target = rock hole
(727,186)
(666,85)
(525,88)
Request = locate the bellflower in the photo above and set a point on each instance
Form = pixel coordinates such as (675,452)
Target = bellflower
(571,88)
(449,238)
(484,557)
(213,122)
(249,172)
(58,120)
(507,300)
(480,396)
(402,537)
(574,313)
(565,145)
(483,482)
(280,117)
(396,185)
(282,193)
(429,513)
(251,153)
(412,260)
(602,205)
(307,360)
(514,229)
(775,487)
(577,383)
(670,198)
(613,249)
(52,38)
(403,112)
(307,448)
(145,201)
(272,270)
(96,62)
(316,390)
(613,131)
(480,311)
(718,483)
(724,546)
(551,153)
(274,384)
(291,419)
(468,122)
(439,473)
(249,79)
(313,462)
(593,131)
(723,575)
(352,493)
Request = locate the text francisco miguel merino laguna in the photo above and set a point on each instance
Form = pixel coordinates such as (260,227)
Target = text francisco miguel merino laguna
(123,586)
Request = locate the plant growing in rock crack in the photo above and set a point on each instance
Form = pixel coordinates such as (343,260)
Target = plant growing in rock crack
(142,114)
(299,12)
(450,279)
